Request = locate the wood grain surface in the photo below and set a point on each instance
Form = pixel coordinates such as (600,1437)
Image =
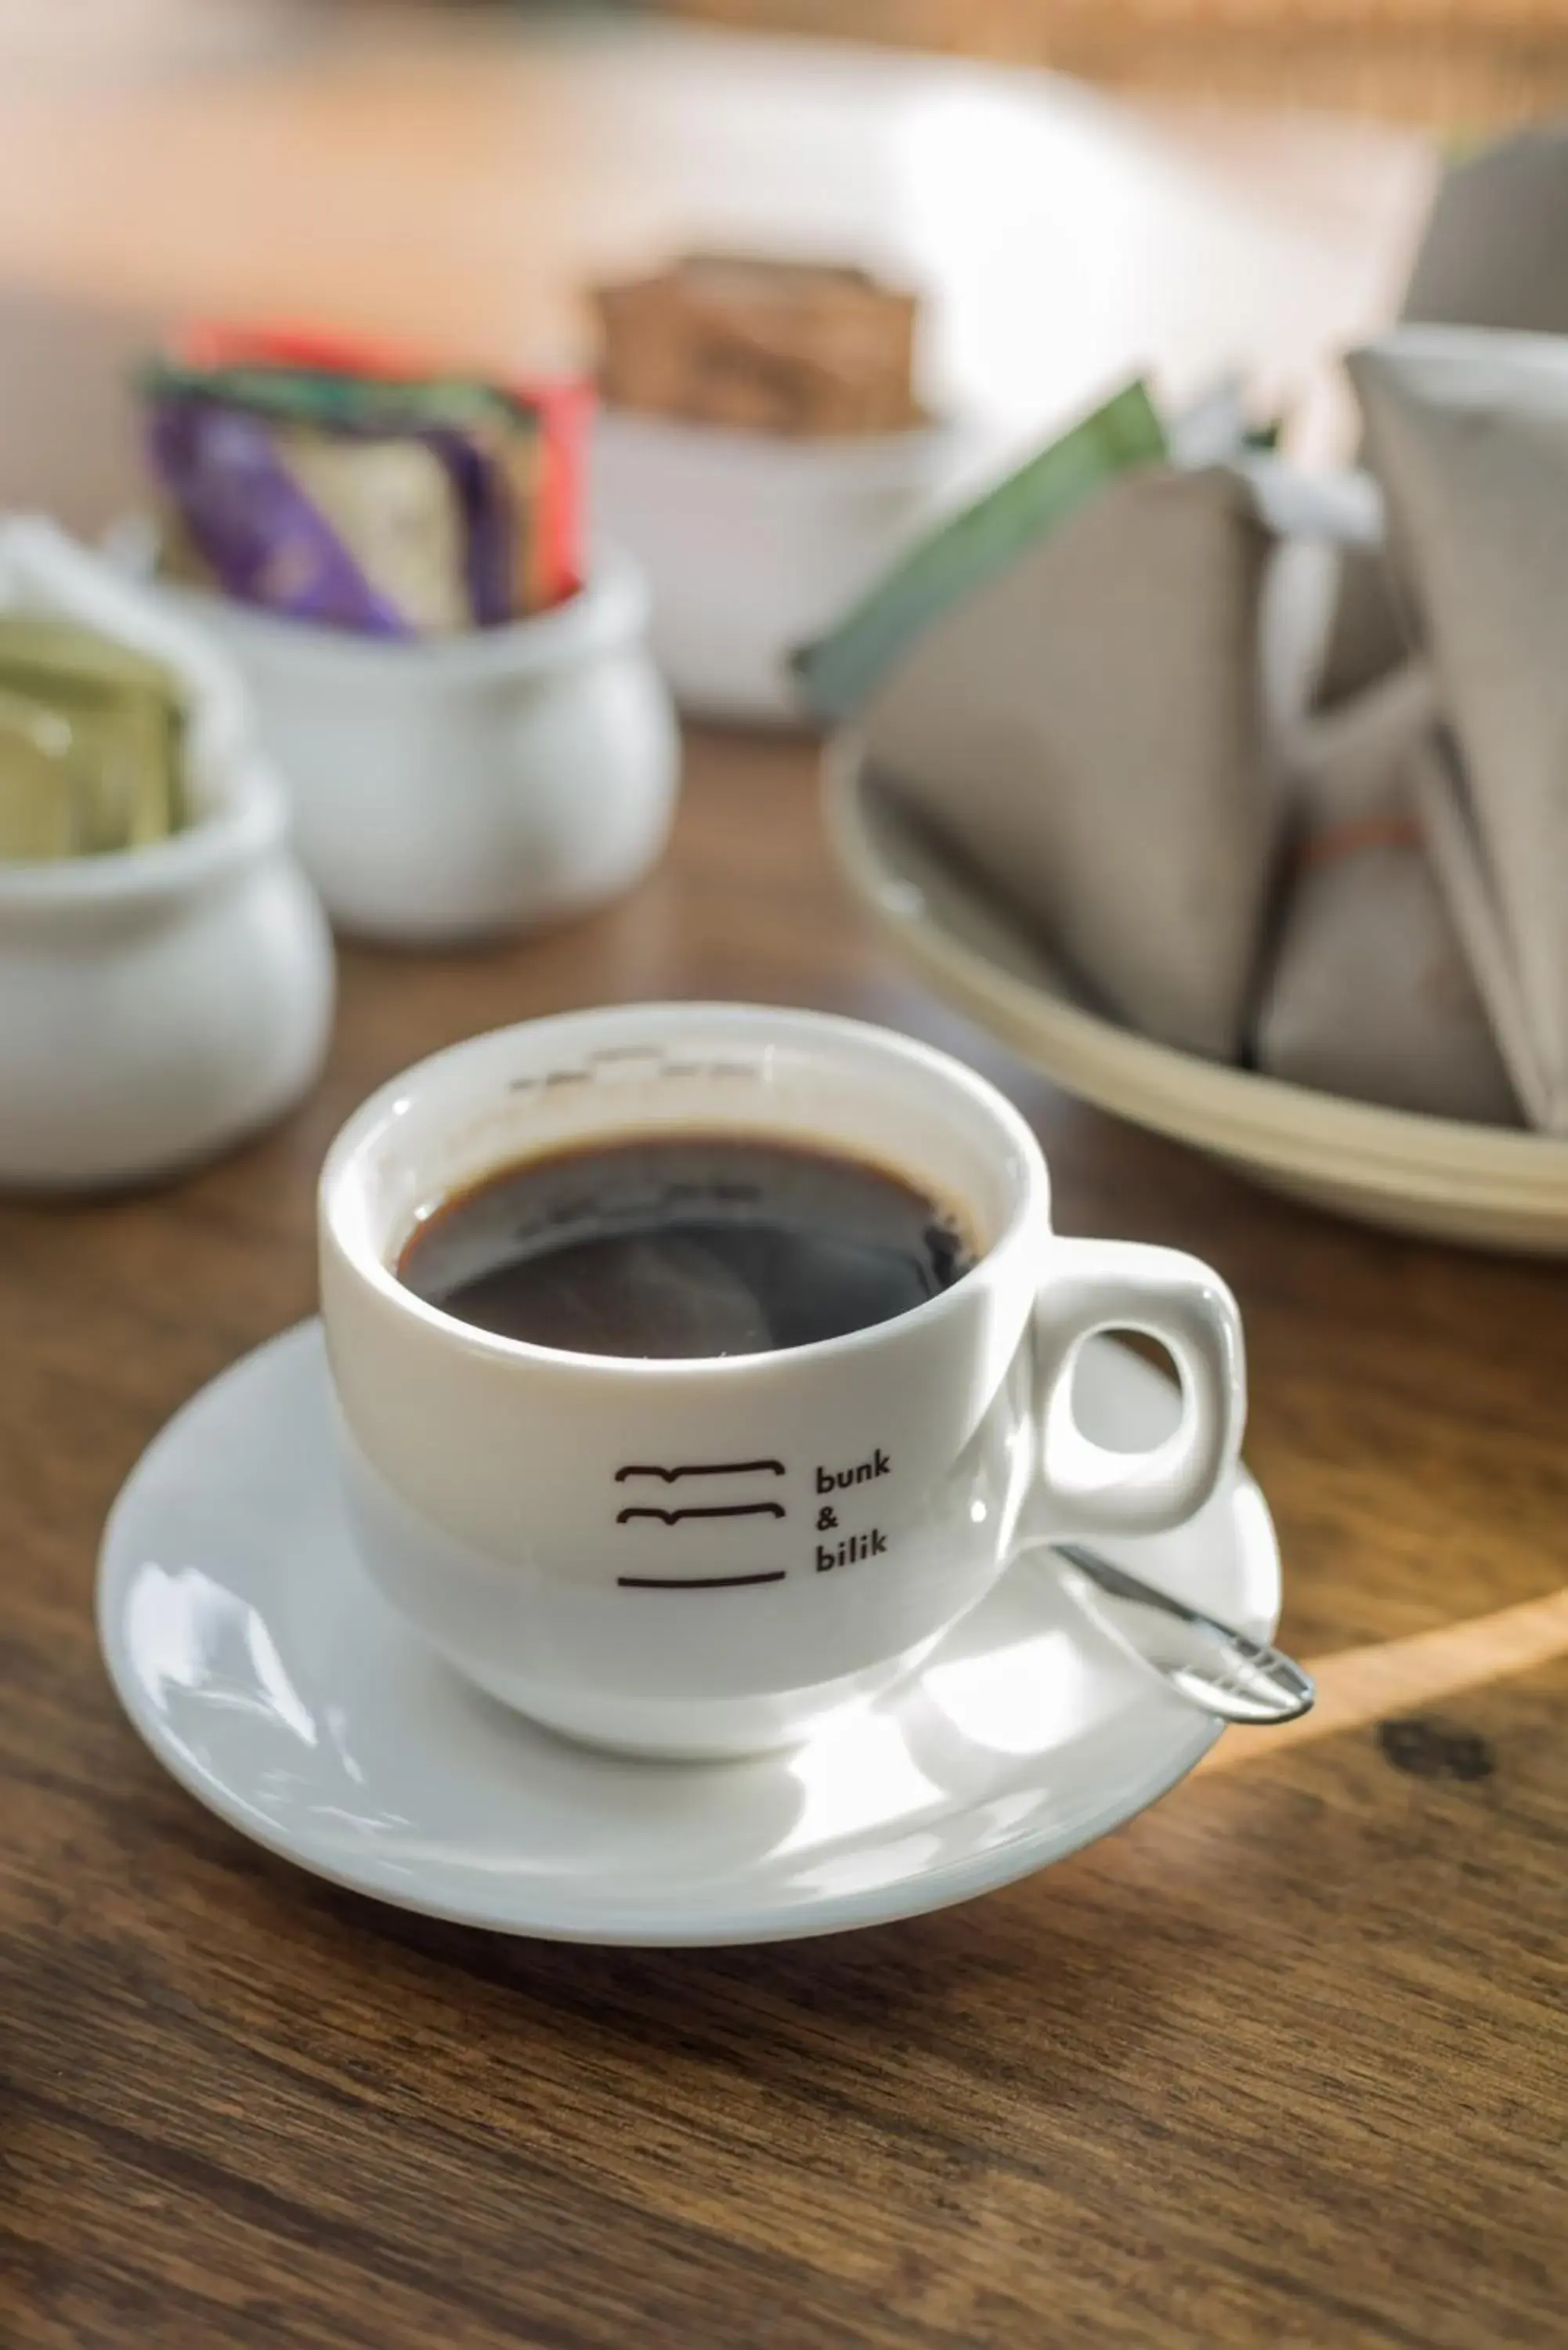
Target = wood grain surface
(436,177)
(1443,61)
(1283,2061)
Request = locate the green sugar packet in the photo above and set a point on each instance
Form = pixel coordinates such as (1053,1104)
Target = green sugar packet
(91,743)
(836,672)
(338,402)
(39,812)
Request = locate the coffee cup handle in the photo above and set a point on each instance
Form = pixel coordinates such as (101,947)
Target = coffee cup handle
(1091,1285)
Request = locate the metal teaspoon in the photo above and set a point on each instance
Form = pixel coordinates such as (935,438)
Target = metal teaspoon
(1224,1671)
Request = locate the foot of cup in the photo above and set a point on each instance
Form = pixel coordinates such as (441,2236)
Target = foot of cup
(713,1730)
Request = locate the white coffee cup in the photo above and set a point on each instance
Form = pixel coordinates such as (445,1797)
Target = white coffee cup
(549,1520)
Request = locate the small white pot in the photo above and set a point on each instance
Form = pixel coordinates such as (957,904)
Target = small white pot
(157,1003)
(481,784)
(752,544)
(160,1004)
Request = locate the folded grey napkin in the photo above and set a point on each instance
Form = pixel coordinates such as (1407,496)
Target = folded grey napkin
(1088,728)
(1494,253)
(1468,431)
(1369,993)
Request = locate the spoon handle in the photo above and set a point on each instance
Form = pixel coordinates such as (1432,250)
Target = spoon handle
(1224,1671)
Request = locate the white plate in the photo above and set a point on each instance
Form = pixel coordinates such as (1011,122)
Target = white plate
(260,1666)
(1492,1186)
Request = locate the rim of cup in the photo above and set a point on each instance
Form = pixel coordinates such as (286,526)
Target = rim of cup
(375,1122)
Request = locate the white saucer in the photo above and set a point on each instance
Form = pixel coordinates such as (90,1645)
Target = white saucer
(258,1663)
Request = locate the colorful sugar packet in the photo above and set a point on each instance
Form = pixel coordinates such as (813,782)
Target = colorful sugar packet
(351,486)
(753,342)
(91,743)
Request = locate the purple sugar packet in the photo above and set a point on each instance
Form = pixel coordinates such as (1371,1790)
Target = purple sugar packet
(249,521)
(483,496)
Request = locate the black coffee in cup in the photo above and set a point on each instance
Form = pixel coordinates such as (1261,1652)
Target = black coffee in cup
(684,1244)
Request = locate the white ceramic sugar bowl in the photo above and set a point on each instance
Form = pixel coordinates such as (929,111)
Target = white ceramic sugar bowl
(160,1002)
(752,543)
(471,785)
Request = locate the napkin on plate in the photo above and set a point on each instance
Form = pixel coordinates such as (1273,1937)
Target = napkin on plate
(1369,993)
(1468,431)
(1086,725)
(1494,253)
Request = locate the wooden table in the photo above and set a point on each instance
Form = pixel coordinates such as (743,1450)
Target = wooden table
(1283,2061)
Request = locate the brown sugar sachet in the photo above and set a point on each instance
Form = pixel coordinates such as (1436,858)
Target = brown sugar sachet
(801,349)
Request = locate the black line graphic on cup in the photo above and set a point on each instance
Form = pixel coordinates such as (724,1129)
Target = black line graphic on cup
(700,1468)
(698,1510)
(672,1476)
(697,1581)
(718,1510)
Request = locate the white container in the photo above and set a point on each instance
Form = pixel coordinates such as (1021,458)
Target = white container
(478,784)
(752,544)
(158,1004)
